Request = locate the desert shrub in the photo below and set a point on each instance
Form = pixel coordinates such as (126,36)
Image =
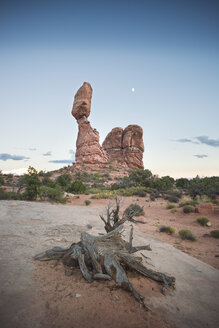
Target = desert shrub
(52,194)
(9,195)
(137,209)
(170,206)
(203,199)
(46,181)
(77,187)
(2,194)
(104,195)
(140,193)
(87,202)
(173,210)
(171,198)
(182,183)
(188,209)
(139,177)
(32,183)
(188,202)
(187,234)
(2,181)
(64,181)
(215,233)
(167,229)
(152,197)
(202,220)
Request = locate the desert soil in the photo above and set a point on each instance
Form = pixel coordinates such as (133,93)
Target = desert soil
(46,294)
(205,248)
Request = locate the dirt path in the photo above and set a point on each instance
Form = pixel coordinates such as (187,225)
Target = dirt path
(42,295)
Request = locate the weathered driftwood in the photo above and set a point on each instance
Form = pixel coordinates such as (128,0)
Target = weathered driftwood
(106,257)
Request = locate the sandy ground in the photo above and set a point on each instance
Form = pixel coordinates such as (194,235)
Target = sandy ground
(35,294)
(205,248)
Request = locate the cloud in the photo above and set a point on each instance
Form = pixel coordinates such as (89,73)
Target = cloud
(62,161)
(186,140)
(200,140)
(32,149)
(71,151)
(49,153)
(201,156)
(19,171)
(183,140)
(210,142)
(5,157)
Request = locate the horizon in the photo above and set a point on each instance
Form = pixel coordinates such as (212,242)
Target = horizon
(151,63)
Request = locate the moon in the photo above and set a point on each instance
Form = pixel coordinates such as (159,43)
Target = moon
(133,89)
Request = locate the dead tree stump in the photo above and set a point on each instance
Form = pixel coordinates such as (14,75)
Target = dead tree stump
(107,256)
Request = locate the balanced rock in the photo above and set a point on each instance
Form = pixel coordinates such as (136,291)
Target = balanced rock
(124,146)
(88,149)
(82,101)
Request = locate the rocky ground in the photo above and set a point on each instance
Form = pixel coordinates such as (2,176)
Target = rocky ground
(37,294)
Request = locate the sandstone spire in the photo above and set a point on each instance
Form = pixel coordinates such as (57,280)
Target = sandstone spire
(88,149)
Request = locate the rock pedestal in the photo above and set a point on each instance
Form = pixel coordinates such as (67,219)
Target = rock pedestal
(124,146)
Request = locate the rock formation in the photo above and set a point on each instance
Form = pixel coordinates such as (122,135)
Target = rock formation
(124,146)
(88,149)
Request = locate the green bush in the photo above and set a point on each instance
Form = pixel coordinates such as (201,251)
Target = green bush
(152,197)
(170,206)
(173,210)
(104,195)
(188,202)
(171,198)
(46,181)
(188,209)
(64,181)
(186,234)
(32,183)
(140,193)
(52,194)
(9,195)
(215,233)
(167,229)
(134,208)
(87,202)
(2,181)
(202,220)
(77,187)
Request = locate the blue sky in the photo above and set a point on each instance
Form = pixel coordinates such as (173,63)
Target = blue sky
(167,50)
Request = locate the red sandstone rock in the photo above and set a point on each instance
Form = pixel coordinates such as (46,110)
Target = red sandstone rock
(88,149)
(113,145)
(133,146)
(204,208)
(82,101)
(126,146)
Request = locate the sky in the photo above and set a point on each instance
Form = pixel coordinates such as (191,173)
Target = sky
(167,50)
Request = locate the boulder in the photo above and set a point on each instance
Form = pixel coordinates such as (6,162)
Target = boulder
(82,101)
(140,219)
(207,208)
